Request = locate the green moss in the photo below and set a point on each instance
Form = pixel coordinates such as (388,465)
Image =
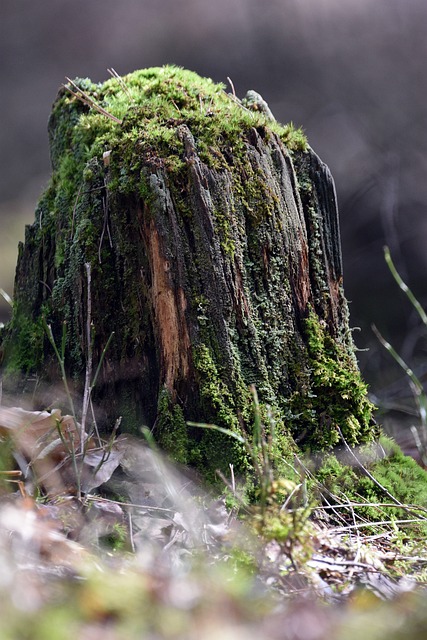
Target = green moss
(400,475)
(333,396)
(338,478)
(217,400)
(171,428)
(232,405)
(212,450)
(24,352)
(156,101)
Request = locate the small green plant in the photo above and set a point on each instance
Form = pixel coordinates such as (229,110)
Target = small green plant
(275,497)
(117,539)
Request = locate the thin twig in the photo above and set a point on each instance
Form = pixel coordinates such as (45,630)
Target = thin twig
(88,372)
(94,423)
(345,563)
(87,100)
(131,540)
(365,470)
(230,485)
(171,541)
(113,73)
(233,481)
(359,542)
(106,451)
(101,360)
(371,504)
(232,87)
(61,361)
(376,523)
(95,498)
(290,496)
(46,285)
(421,448)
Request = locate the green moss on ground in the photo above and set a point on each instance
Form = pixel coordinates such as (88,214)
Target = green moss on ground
(400,475)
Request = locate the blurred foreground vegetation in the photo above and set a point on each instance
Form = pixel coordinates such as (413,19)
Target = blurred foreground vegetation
(146,552)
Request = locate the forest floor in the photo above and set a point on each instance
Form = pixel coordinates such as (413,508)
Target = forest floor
(137,549)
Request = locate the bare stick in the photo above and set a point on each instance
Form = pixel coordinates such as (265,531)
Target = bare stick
(233,481)
(372,524)
(113,73)
(88,374)
(232,86)
(86,99)
(94,423)
(61,361)
(131,539)
(365,470)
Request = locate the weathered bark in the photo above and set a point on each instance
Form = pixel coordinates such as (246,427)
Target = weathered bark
(213,240)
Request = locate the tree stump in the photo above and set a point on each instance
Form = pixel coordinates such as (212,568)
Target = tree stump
(212,236)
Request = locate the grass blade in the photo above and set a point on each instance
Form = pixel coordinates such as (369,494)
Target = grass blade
(215,427)
(404,287)
(416,384)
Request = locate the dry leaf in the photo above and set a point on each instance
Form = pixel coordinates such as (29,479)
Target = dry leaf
(48,441)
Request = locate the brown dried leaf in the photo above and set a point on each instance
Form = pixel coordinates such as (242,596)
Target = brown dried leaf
(45,440)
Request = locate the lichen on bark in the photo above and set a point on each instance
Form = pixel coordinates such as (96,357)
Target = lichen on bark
(213,238)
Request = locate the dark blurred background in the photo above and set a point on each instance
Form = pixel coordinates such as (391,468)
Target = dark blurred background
(351,73)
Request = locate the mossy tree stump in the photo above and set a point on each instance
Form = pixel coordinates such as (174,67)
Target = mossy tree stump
(213,239)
